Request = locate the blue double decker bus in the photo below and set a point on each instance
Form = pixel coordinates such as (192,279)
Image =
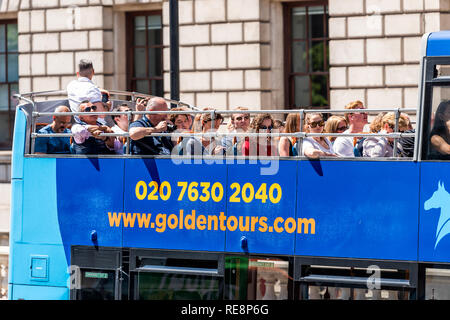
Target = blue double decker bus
(155,227)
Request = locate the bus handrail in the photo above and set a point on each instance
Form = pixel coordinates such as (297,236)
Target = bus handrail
(195,110)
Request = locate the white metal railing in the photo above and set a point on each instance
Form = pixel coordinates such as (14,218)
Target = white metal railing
(216,134)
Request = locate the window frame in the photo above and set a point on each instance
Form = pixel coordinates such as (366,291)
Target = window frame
(289,76)
(10,112)
(130,47)
(430,82)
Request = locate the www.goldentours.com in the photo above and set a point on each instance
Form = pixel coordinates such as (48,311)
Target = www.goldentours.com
(221,222)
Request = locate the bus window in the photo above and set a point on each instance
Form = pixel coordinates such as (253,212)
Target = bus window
(439,125)
(254,278)
(176,286)
(349,283)
(437,284)
(176,276)
(97,285)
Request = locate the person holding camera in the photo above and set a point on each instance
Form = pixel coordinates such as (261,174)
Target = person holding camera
(142,142)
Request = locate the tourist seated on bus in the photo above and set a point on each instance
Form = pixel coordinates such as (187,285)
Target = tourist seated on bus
(182,124)
(239,123)
(55,145)
(120,126)
(287,145)
(335,124)
(143,144)
(205,145)
(87,131)
(315,147)
(279,125)
(345,146)
(375,125)
(382,146)
(440,133)
(261,145)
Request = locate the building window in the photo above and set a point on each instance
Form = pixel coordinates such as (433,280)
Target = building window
(9,76)
(306,54)
(4,252)
(145,53)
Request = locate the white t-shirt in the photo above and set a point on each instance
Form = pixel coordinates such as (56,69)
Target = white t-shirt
(343,146)
(377,147)
(82,89)
(309,142)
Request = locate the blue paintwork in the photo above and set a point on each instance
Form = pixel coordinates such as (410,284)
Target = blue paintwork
(27,292)
(362,209)
(86,190)
(269,241)
(438,44)
(432,174)
(148,170)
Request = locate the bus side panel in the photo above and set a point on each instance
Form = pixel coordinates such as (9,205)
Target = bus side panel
(161,215)
(434,244)
(267,193)
(40,211)
(21,292)
(39,265)
(360,209)
(89,191)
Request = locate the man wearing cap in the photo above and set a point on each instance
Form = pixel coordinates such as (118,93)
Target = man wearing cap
(84,89)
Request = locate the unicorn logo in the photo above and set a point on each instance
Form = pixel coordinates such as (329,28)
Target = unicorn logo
(440,199)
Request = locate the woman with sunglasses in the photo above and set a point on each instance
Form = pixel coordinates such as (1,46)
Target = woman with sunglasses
(335,124)
(286,146)
(204,145)
(315,147)
(260,146)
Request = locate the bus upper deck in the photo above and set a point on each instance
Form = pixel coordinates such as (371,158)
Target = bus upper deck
(157,227)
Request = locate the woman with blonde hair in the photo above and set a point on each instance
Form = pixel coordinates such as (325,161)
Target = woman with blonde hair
(286,145)
(204,145)
(383,146)
(315,147)
(335,124)
(260,146)
(375,125)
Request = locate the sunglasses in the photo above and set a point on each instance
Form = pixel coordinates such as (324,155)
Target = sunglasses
(393,128)
(240,118)
(320,123)
(342,128)
(89,109)
(266,127)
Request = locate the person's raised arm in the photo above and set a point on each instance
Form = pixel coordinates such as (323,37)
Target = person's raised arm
(440,144)
(137,133)
(283,147)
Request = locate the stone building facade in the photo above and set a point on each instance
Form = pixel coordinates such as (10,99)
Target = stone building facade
(375,49)
(269,54)
(232,52)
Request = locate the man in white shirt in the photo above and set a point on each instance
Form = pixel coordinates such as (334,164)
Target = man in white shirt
(83,89)
(344,146)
